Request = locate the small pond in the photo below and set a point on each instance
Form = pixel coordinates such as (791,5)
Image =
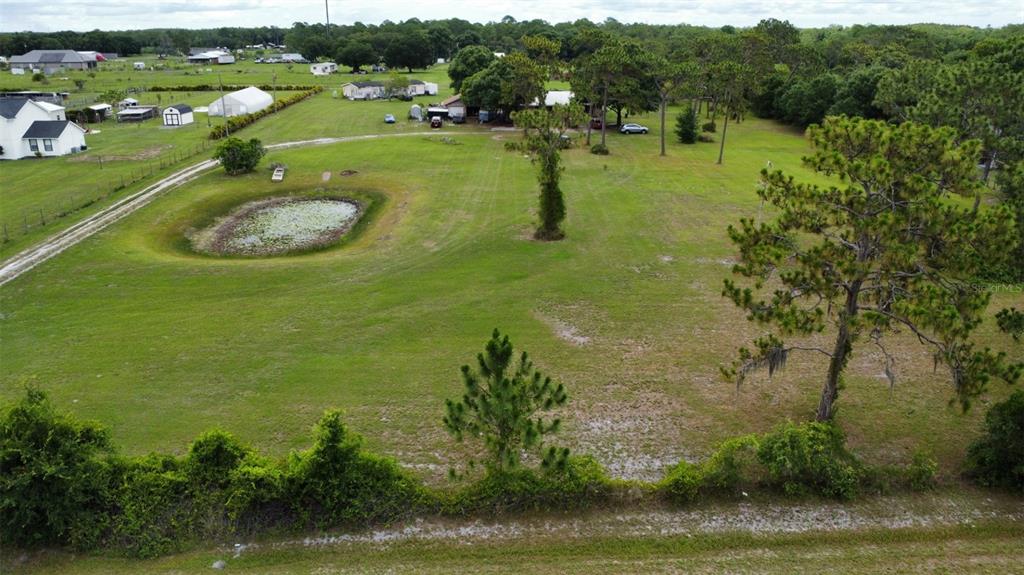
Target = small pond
(278,226)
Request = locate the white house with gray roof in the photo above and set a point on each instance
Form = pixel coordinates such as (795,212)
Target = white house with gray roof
(50,61)
(28,127)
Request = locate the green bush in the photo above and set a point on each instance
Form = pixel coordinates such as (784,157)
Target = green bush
(213,457)
(683,482)
(734,465)
(921,472)
(705,138)
(153,512)
(996,459)
(599,149)
(51,475)
(809,458)
(581,482)
(686,126)
(709,127)
(336,482)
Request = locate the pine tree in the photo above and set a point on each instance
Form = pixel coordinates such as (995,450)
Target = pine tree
(686,126)
(879,251)
(502,405)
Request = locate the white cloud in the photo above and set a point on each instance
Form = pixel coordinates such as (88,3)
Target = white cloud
(134,14)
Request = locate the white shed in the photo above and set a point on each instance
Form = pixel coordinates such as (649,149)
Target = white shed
(178,115)
(323,68)
(139,65)
(244,101)
(421,88)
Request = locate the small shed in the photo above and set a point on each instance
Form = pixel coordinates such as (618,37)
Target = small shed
(99,112)
(244,101)
(416,113)
(137,113)
(127,103)
(455,106)
(139,65)
(178,115)
(437,112)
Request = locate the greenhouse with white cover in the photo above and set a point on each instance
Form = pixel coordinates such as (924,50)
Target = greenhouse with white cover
(245,101)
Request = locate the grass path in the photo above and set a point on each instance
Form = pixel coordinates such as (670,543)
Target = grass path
(945,532)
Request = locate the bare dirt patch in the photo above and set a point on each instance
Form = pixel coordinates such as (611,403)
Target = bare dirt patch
(147,154)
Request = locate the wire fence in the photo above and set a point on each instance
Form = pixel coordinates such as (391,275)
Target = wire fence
(32,218)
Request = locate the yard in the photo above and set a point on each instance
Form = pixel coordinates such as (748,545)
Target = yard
(160,344)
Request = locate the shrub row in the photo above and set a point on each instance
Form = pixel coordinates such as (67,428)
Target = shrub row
(232,87)
(61,483)
(795,459)
(236,123)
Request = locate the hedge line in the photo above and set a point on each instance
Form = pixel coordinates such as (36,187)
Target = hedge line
(233,87)
(63,484)
(236,123)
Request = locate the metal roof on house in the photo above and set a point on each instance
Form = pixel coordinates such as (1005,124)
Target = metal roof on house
(9,107)
(183,108)
(452,100)
(46,129)
(369,84)
(48,57)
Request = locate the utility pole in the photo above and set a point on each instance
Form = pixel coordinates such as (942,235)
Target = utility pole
(223,107)
(327,12)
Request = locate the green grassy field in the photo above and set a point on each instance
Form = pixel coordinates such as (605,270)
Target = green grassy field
(40,197)
(160,344)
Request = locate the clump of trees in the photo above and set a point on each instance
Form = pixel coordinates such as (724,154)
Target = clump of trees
(238,156)
(879,253)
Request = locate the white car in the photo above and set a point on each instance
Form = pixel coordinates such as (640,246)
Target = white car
(633,129)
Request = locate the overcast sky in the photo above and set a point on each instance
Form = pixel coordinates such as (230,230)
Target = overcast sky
(50,15)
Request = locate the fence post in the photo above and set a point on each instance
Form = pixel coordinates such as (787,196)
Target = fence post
(42,220)
(7,237)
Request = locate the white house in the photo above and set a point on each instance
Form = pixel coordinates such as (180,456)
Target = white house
(421,88)
(50,61)
(244,101)
(323,68)
(178,115)
(212,57)
(138,65)
(28,127)
(363,90)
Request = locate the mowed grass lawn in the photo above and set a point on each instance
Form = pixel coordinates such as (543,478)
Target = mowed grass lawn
(160,344)
(40,197)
